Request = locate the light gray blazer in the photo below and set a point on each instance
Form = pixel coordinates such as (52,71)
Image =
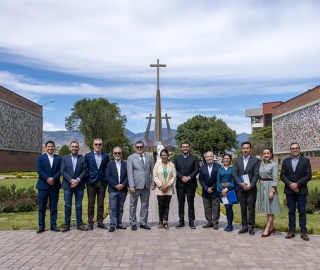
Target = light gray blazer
(140,176)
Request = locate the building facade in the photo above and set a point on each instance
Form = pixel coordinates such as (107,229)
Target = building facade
(261,117)
(298,120)
(20,132)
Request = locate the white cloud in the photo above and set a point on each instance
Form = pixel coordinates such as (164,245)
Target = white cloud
(51,127)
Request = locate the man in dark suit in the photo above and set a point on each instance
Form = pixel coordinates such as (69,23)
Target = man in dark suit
(208,181)
(97,183)
(117,186)
(48,185)
(247,195)
(187,167)
(296,173)
(140,177)
(73,169)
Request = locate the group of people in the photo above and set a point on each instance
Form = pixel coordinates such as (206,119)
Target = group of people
(227,183)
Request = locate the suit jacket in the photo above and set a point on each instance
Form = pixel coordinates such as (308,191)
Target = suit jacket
(45,171)
(140,176)
(113,177)
(69,174)
(206,181)
(252,170)
(159,178)
(301,176)
(95,173)
(186,167)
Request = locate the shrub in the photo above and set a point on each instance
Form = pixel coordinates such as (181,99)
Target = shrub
(310,209)
(8,206)
(25,205)
(314,198)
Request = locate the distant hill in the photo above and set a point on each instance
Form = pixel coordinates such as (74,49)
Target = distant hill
(242,137)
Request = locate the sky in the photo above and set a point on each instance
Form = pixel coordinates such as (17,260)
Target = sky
(221,57)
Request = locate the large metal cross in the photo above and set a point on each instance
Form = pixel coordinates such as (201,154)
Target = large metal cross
(158,66)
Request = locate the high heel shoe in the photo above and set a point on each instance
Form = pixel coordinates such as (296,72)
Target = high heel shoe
(272,231)
(265,235)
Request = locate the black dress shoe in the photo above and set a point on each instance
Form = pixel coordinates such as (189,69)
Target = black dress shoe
(243,230)
(180,224)
(134,227)
(65,229)
(54,229)
(191,225)
(90,227)
(40,230)
(146,227)
(102,226)
(112,229)
(82,228)
(251,231)
(121,227)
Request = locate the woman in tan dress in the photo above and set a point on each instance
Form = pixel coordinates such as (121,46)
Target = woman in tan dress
(268,199)
(164,174)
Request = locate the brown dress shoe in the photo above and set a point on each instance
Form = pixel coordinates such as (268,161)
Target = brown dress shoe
(215,227)
(290,235)
(82,228)
(207,226)
(65,229)
(304,236)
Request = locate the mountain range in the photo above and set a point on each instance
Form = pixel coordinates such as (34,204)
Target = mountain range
(65,137)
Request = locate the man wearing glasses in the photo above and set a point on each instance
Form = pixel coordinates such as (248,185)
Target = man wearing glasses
(295,173)
(187,167)
(140,176)
(97,183)
(117,187)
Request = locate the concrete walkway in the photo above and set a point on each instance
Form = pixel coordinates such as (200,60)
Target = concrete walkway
(157,249)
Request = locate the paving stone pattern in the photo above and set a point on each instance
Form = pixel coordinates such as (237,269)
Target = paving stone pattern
(183,248)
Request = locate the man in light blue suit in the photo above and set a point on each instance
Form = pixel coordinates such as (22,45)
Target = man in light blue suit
(117,186)
(48,185)
(140,177)
(73,169)
(97,183)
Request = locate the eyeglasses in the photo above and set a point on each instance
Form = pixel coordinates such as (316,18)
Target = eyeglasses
(139,147)
(295,148)
(117,153)
(98,144)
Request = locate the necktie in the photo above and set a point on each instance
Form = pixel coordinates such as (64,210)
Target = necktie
(142,161)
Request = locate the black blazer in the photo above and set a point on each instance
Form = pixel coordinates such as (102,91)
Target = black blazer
(206,181)
(186,167)
(252,170)
(69,174)
(112,176)
(301,176)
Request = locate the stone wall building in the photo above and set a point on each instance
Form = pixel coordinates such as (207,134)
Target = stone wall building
(20,132)
(298,120)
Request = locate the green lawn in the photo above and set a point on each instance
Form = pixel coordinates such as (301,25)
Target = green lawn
(29,220)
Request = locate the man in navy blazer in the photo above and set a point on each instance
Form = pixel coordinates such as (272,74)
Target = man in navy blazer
(247,195)
(97,183)
(296,173)
(210,195)
(48,185)
(117,186)
(74,170)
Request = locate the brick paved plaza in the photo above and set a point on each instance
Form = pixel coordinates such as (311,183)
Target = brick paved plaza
(157,249)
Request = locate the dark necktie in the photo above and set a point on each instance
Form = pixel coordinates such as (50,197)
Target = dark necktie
(142,161)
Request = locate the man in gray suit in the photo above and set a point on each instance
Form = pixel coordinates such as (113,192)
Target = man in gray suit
(140,177)
(73,169)
(247,195)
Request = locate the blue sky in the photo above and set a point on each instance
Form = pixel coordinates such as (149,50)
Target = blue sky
(222,57)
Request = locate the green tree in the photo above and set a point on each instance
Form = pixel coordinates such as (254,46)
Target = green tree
(260,139)
(98,118)
(64,150)
(207,134)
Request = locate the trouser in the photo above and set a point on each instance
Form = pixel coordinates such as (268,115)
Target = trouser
(295,201)
(211,210)
(68,194)
(96,190)
(247,200)
(181,194)
(43,196)
(229,214)
(163,206)
(144,195)
(116,203)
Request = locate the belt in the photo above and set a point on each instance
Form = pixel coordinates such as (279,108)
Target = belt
(225,184)
(266,179)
